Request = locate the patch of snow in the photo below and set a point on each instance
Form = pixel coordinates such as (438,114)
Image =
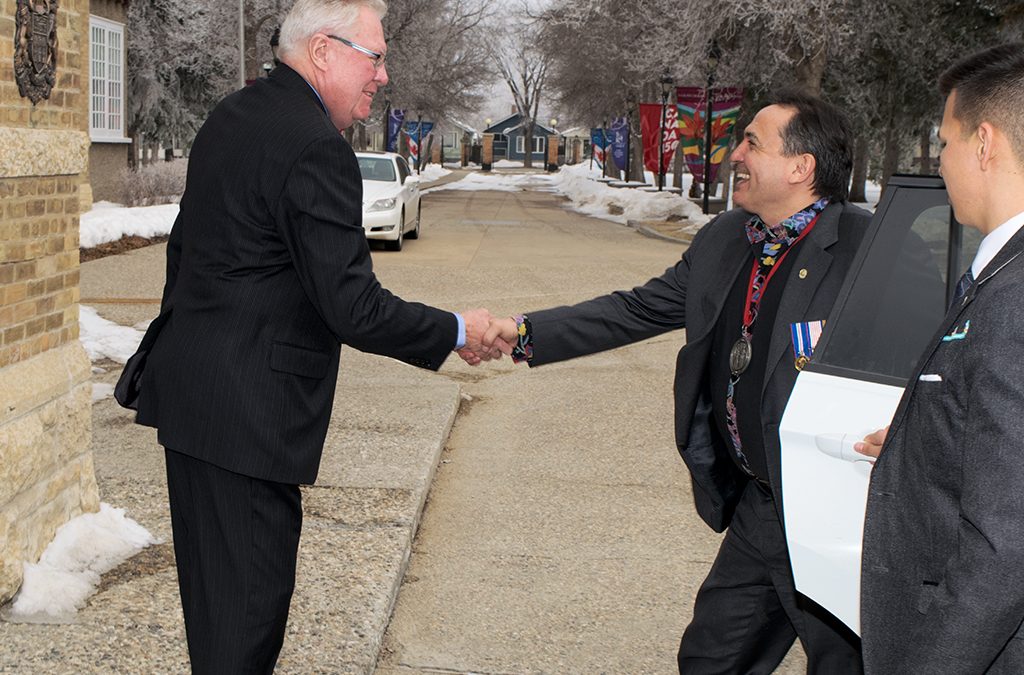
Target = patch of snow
(595,198)
(504,182)
(106,339)
(69,570)
(433,172)
(109,222)
(101,391)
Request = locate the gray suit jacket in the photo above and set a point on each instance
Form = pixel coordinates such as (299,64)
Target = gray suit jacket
(691,295)
(943,564)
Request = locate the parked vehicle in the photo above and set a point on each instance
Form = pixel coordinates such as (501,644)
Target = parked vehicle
(886,314)
(391,198)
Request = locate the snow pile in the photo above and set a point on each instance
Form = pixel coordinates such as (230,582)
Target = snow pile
(106,339)
(433,172)
(593,198)
(109,222)
(69,570)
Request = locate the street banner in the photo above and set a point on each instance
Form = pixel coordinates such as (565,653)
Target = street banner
(395,120)
(417,134)
(598,139)
(619,140)
(725,109)
(650,132)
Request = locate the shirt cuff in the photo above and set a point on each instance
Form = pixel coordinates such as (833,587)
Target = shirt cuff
(460,340)
(522,350)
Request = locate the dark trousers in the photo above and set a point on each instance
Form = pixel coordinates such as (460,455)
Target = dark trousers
(236,539)
(747,613)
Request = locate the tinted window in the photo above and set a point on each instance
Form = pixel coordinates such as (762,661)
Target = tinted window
(900,293)
(377,168)
(403,168)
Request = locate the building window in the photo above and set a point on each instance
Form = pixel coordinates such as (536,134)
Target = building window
(538,145)
(106,77)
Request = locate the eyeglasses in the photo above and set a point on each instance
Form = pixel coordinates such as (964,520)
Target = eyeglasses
(377,57)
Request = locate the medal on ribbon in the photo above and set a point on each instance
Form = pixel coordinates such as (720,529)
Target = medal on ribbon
(805,337)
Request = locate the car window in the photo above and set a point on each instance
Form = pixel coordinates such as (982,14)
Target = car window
(911,259)
(403,169)
(377,168)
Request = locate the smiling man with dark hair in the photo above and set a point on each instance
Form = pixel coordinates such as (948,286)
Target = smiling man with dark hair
(749,276)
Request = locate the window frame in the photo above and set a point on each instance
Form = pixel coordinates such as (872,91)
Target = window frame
(106,133)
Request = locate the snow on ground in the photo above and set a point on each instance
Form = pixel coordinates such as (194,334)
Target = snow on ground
(109,222)
(433,172)
(501,182)
(588,194)
(69,570)
(594,198)
(106,339)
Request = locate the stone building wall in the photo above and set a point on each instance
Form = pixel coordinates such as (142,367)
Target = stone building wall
(46,471)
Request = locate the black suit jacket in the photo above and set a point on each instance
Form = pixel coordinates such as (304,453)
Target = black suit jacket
(691,295)
(942,575)
(268,272)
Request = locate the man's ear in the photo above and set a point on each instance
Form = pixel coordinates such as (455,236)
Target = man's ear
(317,51)
(803,169)
(987,149)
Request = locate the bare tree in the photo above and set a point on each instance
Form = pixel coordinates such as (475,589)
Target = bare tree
(524,68)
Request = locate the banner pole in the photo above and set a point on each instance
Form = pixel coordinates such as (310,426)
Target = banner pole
(707,145)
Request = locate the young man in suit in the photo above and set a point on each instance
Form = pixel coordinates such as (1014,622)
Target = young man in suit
(748,276)
(943,564)
(268,272)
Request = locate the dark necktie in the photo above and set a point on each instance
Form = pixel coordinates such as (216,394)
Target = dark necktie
(964,285)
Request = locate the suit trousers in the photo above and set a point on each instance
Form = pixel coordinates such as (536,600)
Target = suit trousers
(236,539)
(747,613)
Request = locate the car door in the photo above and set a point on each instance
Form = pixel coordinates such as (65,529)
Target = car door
(887,312)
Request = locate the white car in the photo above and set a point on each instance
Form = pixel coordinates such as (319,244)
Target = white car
(391,198)
(891,303)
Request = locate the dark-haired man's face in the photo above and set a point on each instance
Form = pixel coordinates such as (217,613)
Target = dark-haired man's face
(761,170)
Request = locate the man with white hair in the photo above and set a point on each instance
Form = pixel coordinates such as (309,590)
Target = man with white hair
(268,273)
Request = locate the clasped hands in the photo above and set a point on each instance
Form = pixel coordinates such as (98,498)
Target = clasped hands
(487,337)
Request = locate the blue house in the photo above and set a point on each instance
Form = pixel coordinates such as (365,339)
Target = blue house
(510,141)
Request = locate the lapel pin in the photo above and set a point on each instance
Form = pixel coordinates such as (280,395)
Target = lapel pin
(803,273)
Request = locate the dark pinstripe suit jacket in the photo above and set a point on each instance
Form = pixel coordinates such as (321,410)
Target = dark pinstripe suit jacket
(268,272)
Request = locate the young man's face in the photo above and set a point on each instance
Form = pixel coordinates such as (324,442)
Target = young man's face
(958,164)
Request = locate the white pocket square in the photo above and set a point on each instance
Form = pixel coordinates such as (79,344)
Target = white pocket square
(930,377)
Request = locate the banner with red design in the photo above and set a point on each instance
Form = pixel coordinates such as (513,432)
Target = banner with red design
(650,132)
(725,109)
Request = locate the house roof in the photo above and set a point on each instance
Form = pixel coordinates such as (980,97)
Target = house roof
(511,123)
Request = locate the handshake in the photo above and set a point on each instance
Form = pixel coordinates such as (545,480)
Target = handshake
(487,337)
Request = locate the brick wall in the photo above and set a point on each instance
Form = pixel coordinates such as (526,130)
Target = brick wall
(46,474)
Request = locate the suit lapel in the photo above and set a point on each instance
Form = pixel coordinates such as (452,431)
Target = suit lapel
(797,295)
(735,248)
(1013,249)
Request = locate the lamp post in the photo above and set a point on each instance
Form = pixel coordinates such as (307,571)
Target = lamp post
(714,54)
(275,40)
(666,82)
(241,44)
(387,125)
(630,102)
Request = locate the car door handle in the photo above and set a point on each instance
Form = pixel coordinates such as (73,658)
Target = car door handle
(840,446)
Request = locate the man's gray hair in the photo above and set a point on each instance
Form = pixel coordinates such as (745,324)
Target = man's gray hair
(308,17)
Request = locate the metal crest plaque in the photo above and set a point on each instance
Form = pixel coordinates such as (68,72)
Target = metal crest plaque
(35,48)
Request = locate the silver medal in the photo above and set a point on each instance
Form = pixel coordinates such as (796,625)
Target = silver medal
(739,357)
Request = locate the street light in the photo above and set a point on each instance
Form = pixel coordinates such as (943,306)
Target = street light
(714,55)
(630,102)
(666,82)
(275,40)
(267,67)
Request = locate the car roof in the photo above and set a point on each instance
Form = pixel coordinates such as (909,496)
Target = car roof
(376,154)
